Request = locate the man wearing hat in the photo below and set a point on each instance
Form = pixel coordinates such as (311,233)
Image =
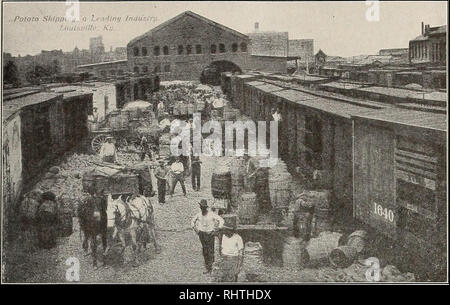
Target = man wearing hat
(232,253)
(108,151)
(205,223)
(161,176)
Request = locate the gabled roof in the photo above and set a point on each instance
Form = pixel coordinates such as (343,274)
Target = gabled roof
(320,52)
(191,14)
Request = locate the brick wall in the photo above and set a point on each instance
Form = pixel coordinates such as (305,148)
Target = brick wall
(268,64)
(303,48)
(269,43)
(182,33)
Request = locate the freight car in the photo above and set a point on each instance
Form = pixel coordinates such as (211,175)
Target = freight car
(400,180)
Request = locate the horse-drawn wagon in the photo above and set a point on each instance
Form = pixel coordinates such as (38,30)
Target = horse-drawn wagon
(117,204)
(125,126)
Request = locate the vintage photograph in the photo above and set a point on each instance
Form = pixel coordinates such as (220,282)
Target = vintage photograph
(164,142)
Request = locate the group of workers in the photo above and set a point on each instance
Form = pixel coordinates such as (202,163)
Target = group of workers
(168,173)
(208,225)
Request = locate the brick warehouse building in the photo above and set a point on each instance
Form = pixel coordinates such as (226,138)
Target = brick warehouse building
(182,47)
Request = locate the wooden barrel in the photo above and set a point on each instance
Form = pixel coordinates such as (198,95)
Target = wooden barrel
(229,114)
(247,209)
(199,106)
(303,223)
(279,188)
(190,109)
(343,256)
(322,220)
(253,258)
(295,255)
(261,189)
(357,240)
(237,181)
(319,248)
(65,223)
(221,183)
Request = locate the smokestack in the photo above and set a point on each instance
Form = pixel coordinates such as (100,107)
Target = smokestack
(422,27)
(256,26)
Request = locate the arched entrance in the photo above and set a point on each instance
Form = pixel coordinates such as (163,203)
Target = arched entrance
(211,74)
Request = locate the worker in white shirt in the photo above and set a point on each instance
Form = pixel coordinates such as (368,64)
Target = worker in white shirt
(177,170)
(205,224)
(232,254)
(108,151)
(160,108)
(276,116)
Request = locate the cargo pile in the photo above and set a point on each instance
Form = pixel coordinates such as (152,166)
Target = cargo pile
(65,181)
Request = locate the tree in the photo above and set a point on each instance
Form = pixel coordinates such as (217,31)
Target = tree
(36,73)
(55,68)
(11,74)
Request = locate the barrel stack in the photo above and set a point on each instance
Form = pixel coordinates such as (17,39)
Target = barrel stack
(237,171)
(279,182)
(221,182)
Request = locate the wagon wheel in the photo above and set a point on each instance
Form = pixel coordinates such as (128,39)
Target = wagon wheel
(97,142)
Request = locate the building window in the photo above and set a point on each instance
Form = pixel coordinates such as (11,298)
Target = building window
(234,47)
(136,69)
(136,51)
(221,48)
(243,47)
(167,68)
(166,50)
(145,69)
(180,49)
(156,51)
(188,49)
(213,49)
(198,49)
(157,68)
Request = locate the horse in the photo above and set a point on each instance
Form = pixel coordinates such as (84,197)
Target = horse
(93,222)
(135,217)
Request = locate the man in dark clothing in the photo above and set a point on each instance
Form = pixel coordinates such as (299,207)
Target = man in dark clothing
(161,175)
(177,170)
(196,171)
(146,148)
(145,181)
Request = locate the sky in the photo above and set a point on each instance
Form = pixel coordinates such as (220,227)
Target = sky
(338,28)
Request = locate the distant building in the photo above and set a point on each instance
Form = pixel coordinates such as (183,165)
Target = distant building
(268,43)
(303,48)
(394,52)
(96,45)
(103,70)
(184,46)
(320,58)
(430,47)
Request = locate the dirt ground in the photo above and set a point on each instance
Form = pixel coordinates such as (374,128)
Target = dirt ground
(180,261)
